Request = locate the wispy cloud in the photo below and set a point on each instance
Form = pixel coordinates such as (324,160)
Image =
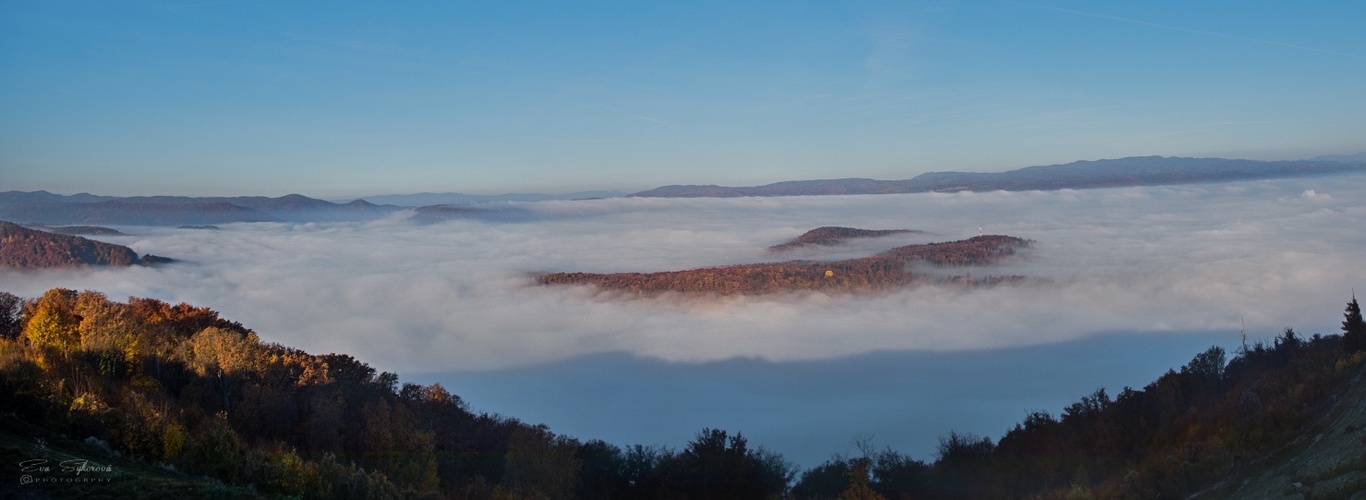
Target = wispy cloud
(652,120)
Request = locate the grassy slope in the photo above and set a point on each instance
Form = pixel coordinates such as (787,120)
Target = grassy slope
(127,478)
(1327,461)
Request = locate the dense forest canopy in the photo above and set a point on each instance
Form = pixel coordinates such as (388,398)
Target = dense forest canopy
(202,395)
(30,248)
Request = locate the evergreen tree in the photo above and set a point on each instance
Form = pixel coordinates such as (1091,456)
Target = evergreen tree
(1353,328)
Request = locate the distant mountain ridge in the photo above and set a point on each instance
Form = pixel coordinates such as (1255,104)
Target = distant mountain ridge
(427,199)
(1132,171)
(42,207)
(1356,158)
(48,209)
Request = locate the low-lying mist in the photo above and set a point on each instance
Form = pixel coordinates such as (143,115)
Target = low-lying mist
(459,297)
(808,410)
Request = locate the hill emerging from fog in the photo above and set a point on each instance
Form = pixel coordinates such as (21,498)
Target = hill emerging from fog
(885,270)
(30,248)
(1133,171)
(834,235)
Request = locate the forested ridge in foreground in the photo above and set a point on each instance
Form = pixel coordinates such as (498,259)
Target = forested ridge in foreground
(101,395)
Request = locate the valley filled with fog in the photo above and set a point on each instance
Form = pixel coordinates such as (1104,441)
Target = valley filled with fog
(1126,283)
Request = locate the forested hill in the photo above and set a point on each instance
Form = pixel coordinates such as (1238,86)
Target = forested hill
(1133,171)
(834,235)
(30,248)
(203,396)
(888,269)
(106,398)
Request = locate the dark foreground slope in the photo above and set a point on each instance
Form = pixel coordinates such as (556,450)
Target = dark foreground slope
(41,464)
(146,399)
(1327,461)
(1133,171)
(1278,420)
(176,387)
(29,248)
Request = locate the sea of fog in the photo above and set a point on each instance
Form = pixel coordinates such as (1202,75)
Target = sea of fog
(1131,282)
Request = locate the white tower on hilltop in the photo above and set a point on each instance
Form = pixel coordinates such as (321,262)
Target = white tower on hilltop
(979,230)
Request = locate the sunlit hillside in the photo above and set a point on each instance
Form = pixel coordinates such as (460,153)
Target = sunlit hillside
(180,387)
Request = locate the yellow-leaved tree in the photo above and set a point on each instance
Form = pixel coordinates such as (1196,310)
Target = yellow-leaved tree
(222,355)
(53,324)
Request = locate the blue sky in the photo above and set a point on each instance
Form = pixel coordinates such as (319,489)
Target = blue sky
(337,99)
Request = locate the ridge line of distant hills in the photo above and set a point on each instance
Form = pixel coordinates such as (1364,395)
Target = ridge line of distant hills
(45,208)
(42,207)
(1122,172)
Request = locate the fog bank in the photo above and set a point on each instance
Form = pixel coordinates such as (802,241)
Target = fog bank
(458,295)
(809,410)
(1176,268)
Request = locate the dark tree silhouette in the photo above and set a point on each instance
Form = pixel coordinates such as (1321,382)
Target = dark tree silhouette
(963,457)
(11,327)
(718,465)
(180,385)
(1353,328)
(824,481)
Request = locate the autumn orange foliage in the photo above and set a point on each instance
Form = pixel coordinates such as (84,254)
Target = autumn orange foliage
(892,268)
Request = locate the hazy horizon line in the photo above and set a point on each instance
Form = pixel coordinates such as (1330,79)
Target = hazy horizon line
(627,191)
